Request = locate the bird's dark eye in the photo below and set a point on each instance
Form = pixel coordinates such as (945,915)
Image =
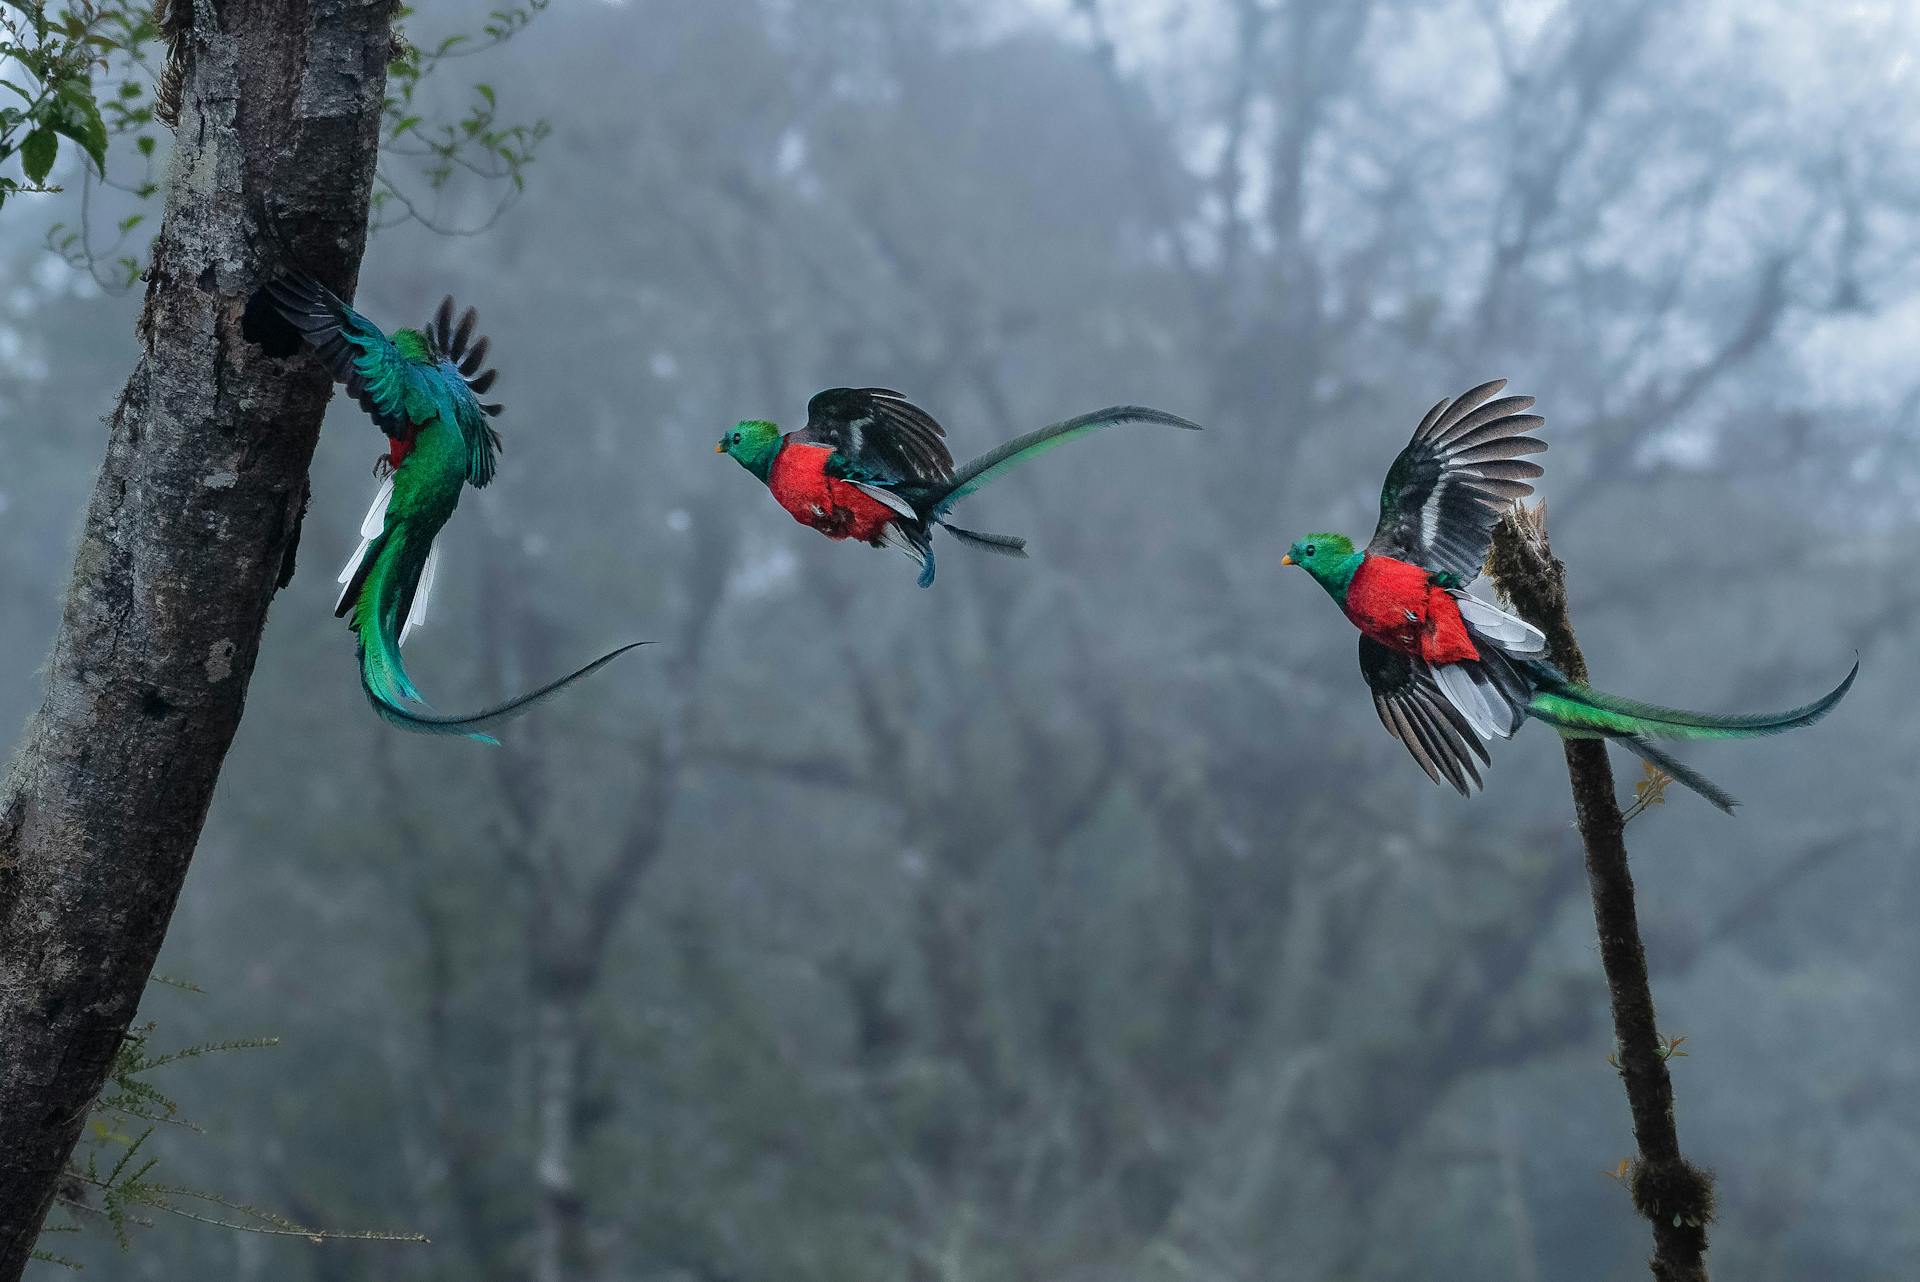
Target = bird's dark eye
(1308,549)
(736,438)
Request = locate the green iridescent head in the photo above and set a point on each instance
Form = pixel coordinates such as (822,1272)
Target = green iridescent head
(753,443)
(1329,558)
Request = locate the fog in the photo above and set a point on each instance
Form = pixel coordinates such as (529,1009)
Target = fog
(1074,920)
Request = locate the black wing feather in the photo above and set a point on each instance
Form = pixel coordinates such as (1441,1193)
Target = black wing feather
(475,358)
(1414,711)
(457,346)
(461,355)
(879,434)
(1446,490)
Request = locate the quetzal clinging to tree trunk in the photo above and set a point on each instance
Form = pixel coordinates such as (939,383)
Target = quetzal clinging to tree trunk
(871,466)
(423,388)
(1447,669)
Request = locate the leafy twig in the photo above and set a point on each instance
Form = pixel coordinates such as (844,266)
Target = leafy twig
(88,75)
(477,144)
(127,1114)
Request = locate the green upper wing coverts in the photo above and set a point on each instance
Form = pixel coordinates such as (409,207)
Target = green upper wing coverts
(375,373)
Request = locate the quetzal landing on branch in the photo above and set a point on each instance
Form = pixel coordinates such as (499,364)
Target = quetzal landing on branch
(871,466)
(423,388)
(1448,670)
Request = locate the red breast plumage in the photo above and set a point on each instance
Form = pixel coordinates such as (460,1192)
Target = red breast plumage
(1397,604)
(800,484)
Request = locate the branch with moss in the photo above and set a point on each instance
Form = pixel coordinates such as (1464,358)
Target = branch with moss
(1675,1195)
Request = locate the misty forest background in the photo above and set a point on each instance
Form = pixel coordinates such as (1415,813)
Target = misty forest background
(1074,920)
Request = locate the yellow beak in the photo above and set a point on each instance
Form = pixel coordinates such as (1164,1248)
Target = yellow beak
(721,448)
(1288,560)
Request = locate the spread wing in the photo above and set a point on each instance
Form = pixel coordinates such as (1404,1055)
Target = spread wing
(461,359)
(1416,712)
(376,375)
(1445,492)
(879,435)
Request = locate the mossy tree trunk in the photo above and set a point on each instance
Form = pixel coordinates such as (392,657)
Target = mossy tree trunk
(190,531)
(1674,1195)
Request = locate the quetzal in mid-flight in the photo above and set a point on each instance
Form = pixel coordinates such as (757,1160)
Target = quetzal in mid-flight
(1448,670)
(423,388)
(870,465)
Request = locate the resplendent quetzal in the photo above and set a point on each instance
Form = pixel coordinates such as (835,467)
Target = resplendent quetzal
(1447,669)
(423,388)
(870,465)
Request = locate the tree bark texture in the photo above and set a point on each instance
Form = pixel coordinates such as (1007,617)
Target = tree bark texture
(190,530)
(1674,1195)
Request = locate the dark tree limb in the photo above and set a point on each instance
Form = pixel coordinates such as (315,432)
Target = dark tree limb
(187,535)
(1674,1195)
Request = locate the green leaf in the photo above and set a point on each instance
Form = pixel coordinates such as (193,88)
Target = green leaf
(485,91)
(37,153)
(76,116)
(145,143)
